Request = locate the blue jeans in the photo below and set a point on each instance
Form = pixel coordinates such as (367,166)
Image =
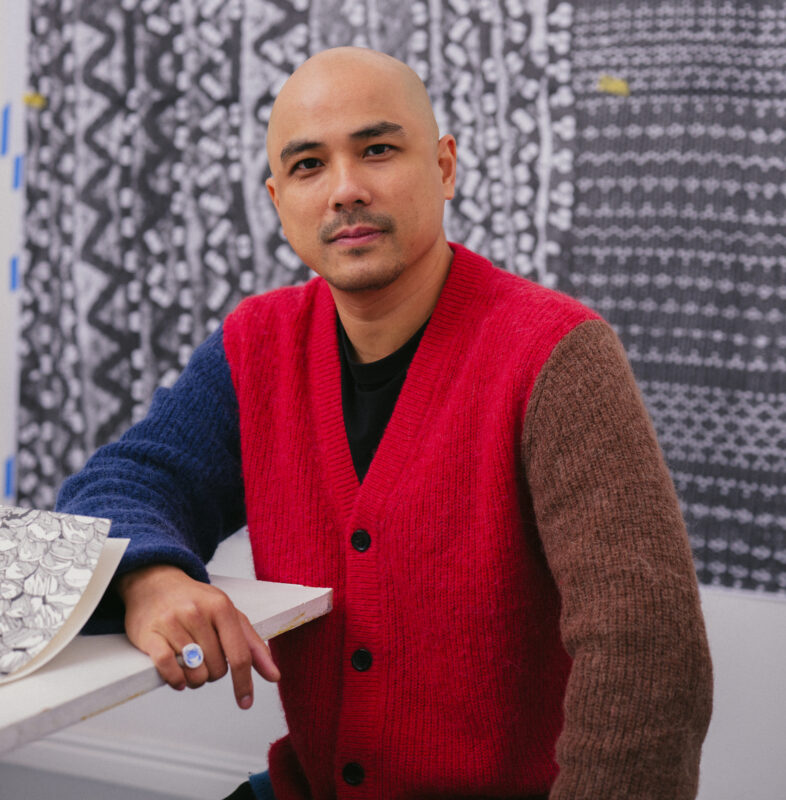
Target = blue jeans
(263,788)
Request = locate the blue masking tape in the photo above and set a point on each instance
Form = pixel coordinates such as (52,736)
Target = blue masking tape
(18,163)
(9,476)
(14,284)
(5,129)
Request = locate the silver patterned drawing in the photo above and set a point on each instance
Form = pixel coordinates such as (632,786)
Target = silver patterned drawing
(46,562)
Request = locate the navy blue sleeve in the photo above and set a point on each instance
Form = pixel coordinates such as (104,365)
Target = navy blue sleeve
(173,483)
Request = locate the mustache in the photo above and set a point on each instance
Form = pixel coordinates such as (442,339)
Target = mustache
(359,216)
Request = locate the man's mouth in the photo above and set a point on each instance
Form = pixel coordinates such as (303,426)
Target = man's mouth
(362,234)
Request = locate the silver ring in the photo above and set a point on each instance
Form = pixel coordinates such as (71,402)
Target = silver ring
(192,655)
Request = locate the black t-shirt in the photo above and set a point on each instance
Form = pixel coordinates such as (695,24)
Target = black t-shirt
(368,395)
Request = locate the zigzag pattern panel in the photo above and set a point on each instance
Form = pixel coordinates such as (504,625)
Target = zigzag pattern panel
(678,239)
(148,216)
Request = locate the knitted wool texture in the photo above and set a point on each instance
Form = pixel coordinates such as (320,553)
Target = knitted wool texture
(453,599)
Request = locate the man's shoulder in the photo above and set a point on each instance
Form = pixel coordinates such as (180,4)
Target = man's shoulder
(518,298)
(284,301)
(276,318)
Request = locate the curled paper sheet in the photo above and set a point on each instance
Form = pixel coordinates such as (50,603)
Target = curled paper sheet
(47,562)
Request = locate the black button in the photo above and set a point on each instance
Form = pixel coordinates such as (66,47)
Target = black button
(361,659)
(353,774)
(361,541)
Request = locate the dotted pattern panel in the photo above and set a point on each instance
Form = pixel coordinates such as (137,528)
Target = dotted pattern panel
(678,239)
(13,42)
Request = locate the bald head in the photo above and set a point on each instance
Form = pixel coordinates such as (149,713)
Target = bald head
(359,175)
(325,82)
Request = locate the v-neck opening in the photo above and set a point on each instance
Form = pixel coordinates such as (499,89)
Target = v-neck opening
(369,392)
(424,381)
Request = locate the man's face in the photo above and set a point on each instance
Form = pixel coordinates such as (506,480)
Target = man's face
(359,177)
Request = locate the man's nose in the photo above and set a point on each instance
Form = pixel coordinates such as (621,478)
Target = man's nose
(348,188)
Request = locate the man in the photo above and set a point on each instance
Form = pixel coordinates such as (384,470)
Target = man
(461,454)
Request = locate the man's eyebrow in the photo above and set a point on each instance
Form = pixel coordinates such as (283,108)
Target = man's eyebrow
(297,146)
(381,128)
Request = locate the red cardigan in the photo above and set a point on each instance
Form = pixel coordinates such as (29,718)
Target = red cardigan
(440,671)
(517,511)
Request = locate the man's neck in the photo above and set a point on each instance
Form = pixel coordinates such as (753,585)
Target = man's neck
(380,321)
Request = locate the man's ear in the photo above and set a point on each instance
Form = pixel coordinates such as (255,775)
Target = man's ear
(446,158)
(271,190)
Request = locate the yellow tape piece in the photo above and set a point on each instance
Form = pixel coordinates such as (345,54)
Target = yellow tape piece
(612,85)
(34,100)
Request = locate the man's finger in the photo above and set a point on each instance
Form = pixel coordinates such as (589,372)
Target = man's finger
(260,653)
(163,656)
(200,630)
(238,653)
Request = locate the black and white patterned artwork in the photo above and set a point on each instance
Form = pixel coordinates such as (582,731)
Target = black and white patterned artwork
(629,153)
(679,240)
(46,563)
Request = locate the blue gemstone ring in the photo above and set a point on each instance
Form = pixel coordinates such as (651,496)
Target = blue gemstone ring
(192,655)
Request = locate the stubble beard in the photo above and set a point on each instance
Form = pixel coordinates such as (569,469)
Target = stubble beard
(362,279)
(356,278)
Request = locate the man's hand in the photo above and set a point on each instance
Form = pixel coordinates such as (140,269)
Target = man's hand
(166,609)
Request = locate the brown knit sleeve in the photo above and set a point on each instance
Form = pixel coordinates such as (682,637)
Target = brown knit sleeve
(639,697)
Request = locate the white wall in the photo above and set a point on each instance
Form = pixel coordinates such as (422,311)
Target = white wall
(745,750)
(13,49)
(199,745)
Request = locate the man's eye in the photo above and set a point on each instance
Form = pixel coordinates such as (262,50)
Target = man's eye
(378,149)
(306,164)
